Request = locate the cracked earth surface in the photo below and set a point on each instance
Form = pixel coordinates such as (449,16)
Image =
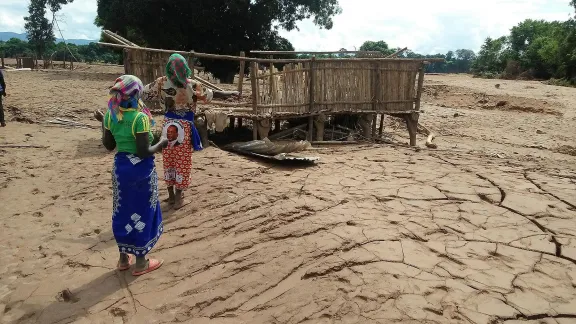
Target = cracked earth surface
(371,234)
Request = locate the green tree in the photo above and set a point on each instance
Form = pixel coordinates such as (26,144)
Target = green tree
(211,26)
(380,46)
(14,47)
(39,29)
(493,56)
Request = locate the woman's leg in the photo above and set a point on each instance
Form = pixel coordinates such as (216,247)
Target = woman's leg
(179,199)
(171,196)
(124,261)
(144,265)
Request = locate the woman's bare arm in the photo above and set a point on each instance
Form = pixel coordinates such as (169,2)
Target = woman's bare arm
(143,145)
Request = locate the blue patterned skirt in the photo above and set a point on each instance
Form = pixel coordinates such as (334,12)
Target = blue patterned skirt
(136,216)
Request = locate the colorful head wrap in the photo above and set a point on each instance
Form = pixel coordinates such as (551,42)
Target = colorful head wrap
(127,89)
(178,71)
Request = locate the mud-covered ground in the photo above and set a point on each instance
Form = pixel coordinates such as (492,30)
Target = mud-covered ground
(480,230)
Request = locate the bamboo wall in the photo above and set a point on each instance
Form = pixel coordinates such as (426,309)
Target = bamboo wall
(340,86)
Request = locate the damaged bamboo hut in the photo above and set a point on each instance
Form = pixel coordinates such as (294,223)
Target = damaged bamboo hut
(310,89)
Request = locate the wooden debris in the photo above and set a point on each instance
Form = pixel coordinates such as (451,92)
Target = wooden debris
(429,143)
(334,142)
(70,123)
(23,146)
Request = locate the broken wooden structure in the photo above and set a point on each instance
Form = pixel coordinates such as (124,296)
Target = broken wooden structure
(309,88)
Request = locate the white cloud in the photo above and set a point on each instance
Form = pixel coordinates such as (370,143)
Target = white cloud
(423,26)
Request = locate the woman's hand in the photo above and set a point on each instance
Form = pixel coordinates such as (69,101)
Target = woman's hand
(163,142)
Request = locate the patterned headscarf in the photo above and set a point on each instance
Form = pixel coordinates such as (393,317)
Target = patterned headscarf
(126,86)
(178,71)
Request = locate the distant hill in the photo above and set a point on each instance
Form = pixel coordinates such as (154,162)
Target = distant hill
(4,36)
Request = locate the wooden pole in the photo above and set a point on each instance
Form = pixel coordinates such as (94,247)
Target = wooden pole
(126,54)
(254,84)
(397,53)
(253,59)
(191,60)
(241,73)
(381,124)
(374,124)
(420,86)
(232,122)
(271,86)
(3,66)
(312,78)
(310,53)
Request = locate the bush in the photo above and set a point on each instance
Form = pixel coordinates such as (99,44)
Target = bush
(512,70)
(561,82)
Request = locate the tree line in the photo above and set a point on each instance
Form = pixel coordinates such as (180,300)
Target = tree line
(533,49)
(60,51)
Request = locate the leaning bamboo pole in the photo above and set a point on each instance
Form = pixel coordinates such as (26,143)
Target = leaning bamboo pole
(123,41)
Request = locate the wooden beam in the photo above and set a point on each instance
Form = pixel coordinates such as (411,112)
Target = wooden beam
(419,89)
(310,52)
(397,52)
(312,78)
(252,59)
(241,74)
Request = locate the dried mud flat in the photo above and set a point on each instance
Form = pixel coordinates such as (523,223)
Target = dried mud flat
(482,230)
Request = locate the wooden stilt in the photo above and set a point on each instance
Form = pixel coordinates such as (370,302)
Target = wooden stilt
(241,74)
(232,122)
(319,123)
(374,120)
(412,125)
(255,94)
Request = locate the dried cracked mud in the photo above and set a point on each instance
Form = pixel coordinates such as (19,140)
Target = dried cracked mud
(371,234)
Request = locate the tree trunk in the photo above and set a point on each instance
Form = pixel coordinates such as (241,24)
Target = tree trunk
(229,78)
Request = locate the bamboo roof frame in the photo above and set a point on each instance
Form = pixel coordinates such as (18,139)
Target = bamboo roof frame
(310,52)
(262,60)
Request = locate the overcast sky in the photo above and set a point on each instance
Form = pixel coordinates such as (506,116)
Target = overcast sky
(423,26)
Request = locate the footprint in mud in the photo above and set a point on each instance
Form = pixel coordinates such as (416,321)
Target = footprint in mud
(35,191)
(38,214)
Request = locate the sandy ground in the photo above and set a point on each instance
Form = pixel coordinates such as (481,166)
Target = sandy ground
(481,230)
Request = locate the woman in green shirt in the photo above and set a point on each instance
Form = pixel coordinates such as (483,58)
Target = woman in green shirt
(136,216)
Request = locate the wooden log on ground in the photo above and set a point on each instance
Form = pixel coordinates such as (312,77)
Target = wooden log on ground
(429,140)
(334,142)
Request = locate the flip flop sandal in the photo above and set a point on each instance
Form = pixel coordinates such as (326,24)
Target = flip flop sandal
(126,267)
(153,264)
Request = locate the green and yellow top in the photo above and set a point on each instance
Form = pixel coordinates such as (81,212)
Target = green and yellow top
(124,131)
